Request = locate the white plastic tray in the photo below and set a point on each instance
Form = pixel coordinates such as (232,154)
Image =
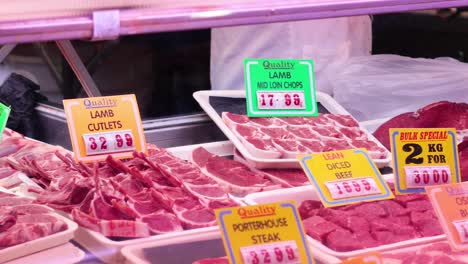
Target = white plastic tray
(64,254)
(134,254)
(42,243)
(329,103)
(302,193)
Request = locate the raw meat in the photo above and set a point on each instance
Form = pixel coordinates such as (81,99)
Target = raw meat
(441,114)
(26,222)
(273,138)
(370,224)
(284,177)
(287,177)
(439,253)
(232,175)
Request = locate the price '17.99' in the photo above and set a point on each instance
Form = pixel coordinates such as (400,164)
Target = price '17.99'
(280,100)
(109,142)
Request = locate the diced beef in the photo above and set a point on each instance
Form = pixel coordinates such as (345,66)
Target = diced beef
(342,240)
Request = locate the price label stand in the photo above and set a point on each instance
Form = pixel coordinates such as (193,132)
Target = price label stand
(345,177)
(102,125)
(450,202)
(276,87)
(4,114)
(424,157)
(266,233)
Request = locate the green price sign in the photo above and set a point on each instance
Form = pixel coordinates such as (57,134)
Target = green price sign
(277,87)
(4,113)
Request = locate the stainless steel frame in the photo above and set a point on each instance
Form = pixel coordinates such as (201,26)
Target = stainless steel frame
(164,132)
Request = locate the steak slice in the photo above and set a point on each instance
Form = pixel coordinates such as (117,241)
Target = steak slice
(161,222)
(232,175)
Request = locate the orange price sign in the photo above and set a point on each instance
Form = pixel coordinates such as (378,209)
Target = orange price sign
(450,203)
(100,126)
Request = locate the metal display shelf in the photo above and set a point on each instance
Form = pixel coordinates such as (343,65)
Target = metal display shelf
(139,17)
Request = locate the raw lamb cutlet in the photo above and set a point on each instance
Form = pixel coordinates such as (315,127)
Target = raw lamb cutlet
(193,207)
(146,195)
(6,172)
(290,148)
(261,147)
(26,222)
(188,175)
(343,120)
(267,122)
(304,133)
(107,212)
(233,176)
(285,177)
(256,141)
(294,121)
(274,138)
(277,132)
(234,119)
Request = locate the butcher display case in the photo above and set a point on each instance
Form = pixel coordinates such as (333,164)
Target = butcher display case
(58,23)
(21,23)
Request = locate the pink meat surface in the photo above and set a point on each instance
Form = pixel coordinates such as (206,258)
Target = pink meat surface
(285,138)
(438,253)
(234,176)
(26,222)
(370,224)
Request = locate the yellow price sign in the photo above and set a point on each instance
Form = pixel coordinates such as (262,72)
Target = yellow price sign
(424,157)
(100,126)
(266,233)
(345,177)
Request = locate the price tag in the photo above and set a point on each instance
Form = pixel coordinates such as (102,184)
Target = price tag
(266,233)
(369,258)
(345,177)
(273,253)
(4,114)
(100,126)
(423,157)
(277,87)
(280,100)
(352,188)
(421,176)
(110,142)
(450,202)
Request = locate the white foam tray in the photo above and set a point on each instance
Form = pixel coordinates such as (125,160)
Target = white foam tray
(328,102)
(302,193)
(134,254)
(40,244)
(63,254)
